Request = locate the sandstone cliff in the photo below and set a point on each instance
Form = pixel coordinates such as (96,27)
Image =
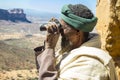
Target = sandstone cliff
(14,15)
(108,26)
(108,13)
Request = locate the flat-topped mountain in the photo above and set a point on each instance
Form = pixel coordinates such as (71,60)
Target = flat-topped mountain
(14,15)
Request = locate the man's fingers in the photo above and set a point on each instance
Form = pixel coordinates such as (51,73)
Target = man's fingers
(52,27)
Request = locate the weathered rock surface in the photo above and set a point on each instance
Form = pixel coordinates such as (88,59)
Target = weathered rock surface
(108,26)
(13,15)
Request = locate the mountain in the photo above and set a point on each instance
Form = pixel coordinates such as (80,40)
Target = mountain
(14,15)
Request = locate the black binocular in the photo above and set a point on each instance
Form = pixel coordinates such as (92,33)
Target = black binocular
(43,27)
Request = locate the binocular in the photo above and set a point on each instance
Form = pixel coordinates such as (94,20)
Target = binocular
(43,27)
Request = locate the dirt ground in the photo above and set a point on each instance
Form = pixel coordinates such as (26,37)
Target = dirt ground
(19,75)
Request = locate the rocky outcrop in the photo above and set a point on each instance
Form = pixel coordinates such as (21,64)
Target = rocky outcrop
(108,26)
(14,15)
(3,14)
(108,13)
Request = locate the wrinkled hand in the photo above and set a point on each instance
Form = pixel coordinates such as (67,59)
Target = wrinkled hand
(52,35)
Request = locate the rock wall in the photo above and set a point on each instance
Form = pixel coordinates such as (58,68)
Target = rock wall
(13,15)
(108,13)
(3,14)
(108,26)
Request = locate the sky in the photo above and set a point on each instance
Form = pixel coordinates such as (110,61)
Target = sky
(53,6)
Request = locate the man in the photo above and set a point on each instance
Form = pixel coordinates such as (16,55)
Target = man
(79,57)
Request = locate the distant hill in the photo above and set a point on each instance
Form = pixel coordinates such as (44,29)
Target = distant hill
(14,15)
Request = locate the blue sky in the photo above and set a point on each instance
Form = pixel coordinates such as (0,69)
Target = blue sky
(45,5)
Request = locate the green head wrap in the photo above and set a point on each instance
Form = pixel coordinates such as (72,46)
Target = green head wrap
(79,23)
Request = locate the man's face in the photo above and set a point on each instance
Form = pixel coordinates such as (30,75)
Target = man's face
(67,30)
(70,36)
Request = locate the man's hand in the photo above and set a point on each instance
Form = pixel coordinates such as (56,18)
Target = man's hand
(52,35)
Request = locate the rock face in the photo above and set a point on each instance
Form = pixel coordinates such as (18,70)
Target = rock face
(3,14)
(13,15)
(108,26)
(108,13)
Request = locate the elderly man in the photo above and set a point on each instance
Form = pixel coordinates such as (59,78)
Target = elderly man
(80,56)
